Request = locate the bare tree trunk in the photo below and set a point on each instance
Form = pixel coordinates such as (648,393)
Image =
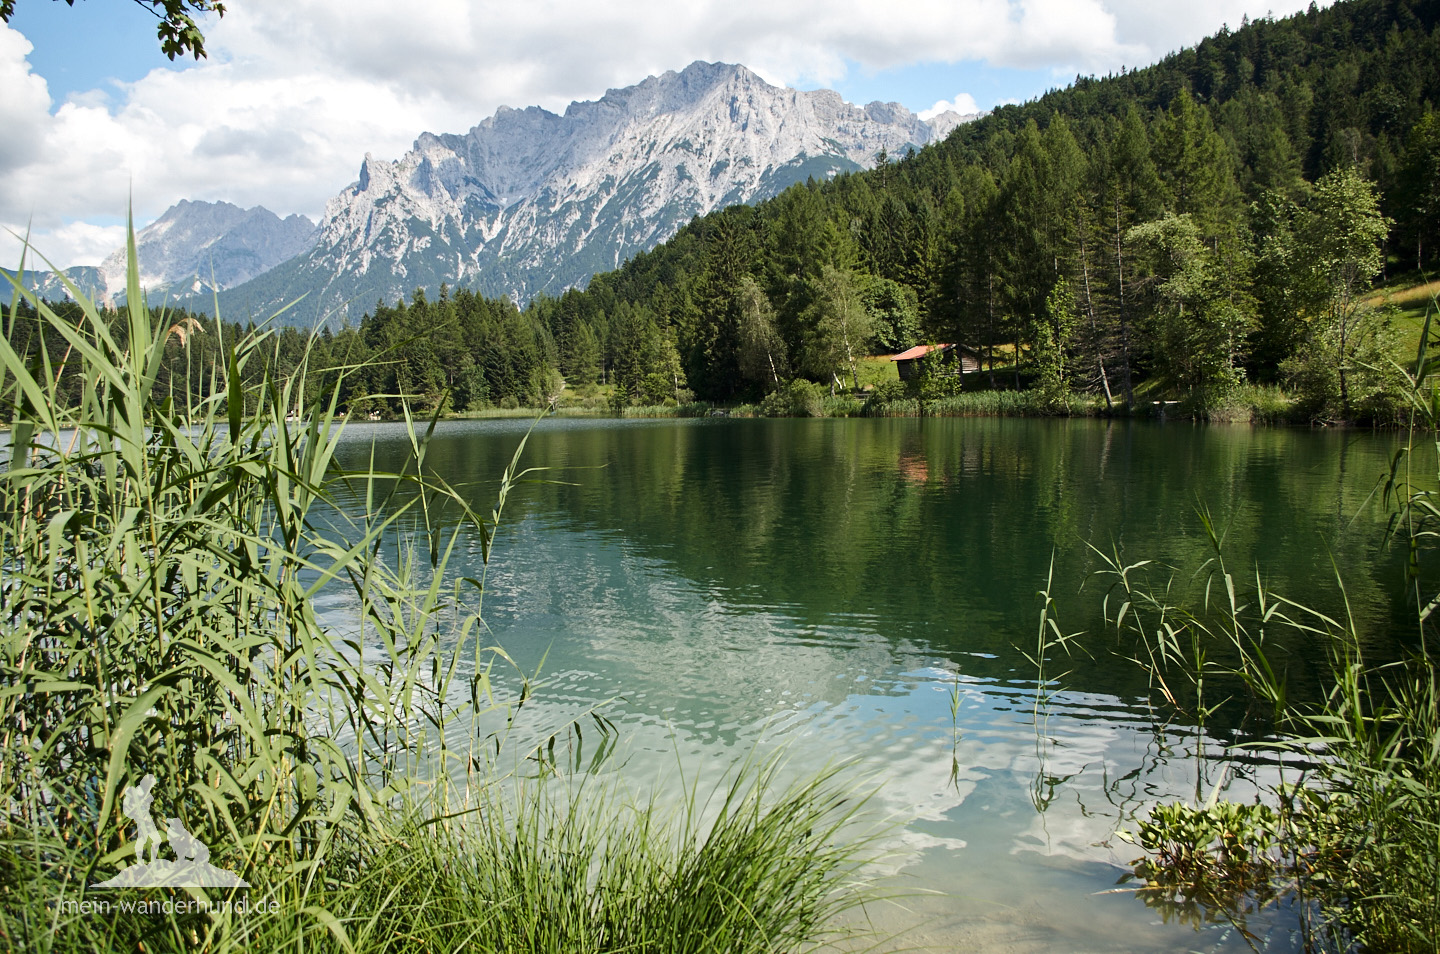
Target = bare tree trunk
(1344,384)
(990,323)
(850,357)
(1125,382)
(1017,359)
(1094,324)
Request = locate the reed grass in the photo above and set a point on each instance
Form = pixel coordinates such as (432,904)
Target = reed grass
(1255,404)
(1357,833)
(158,569)
(842,405)
(692,409)
(1356,829)
(983,404)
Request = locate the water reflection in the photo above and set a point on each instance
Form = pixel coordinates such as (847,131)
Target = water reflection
(829,587)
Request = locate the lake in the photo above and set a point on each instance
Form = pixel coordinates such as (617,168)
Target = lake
(865,590)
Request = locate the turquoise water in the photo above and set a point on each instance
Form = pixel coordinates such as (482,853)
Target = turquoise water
(826,588)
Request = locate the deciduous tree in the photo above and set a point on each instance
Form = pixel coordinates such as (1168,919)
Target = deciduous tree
(1340,238)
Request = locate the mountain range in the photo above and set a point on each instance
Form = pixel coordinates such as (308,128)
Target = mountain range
(192,248)
(526,202)
(211,244)
(531,202)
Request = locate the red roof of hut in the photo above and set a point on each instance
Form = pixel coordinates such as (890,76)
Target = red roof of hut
(919,351)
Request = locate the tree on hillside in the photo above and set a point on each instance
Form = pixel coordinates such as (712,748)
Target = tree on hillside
(803,240)
(1193,162)
(1198,320)
(1340,238)
(1040,197)
(647,363)
(896,313)
(1267,155)
(1285,296)
(1419,188)
(762,350)
(585,355)
(1028,254)
(713,346)
(1130,195)
(838,328)
(1053,334)
(970,298)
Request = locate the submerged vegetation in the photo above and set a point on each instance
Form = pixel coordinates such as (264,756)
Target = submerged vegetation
(161,557)
(1354,830)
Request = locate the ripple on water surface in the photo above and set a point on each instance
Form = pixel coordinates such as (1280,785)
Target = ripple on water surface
(723,589)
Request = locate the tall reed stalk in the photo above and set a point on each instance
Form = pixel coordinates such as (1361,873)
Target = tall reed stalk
(158,572)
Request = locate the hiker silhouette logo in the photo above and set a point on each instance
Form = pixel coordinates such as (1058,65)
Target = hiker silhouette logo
(191,866)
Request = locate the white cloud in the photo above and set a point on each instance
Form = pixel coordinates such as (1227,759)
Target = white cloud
(23,107)
(297,91)
(73,243)
(963,103)
(1164,27)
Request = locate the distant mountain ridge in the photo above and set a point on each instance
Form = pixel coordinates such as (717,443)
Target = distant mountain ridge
(211,243)
(529,201)
(50,285)
(191,248)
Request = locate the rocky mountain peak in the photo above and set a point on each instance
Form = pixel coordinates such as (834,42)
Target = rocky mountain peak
(528,201)
(205,242)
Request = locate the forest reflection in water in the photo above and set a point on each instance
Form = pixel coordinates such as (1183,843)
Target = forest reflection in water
(864,590)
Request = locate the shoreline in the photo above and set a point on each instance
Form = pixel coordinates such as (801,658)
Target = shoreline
(1012,404)
(999,404)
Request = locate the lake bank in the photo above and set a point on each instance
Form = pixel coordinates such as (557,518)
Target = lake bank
(1257,405)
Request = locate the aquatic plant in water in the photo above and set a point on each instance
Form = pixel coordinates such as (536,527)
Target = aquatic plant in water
(1356,836)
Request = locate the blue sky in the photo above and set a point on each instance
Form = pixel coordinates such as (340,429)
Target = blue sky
(295,93)
(78,50)
(915,85)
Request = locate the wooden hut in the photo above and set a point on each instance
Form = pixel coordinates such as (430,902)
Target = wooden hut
(957,359)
